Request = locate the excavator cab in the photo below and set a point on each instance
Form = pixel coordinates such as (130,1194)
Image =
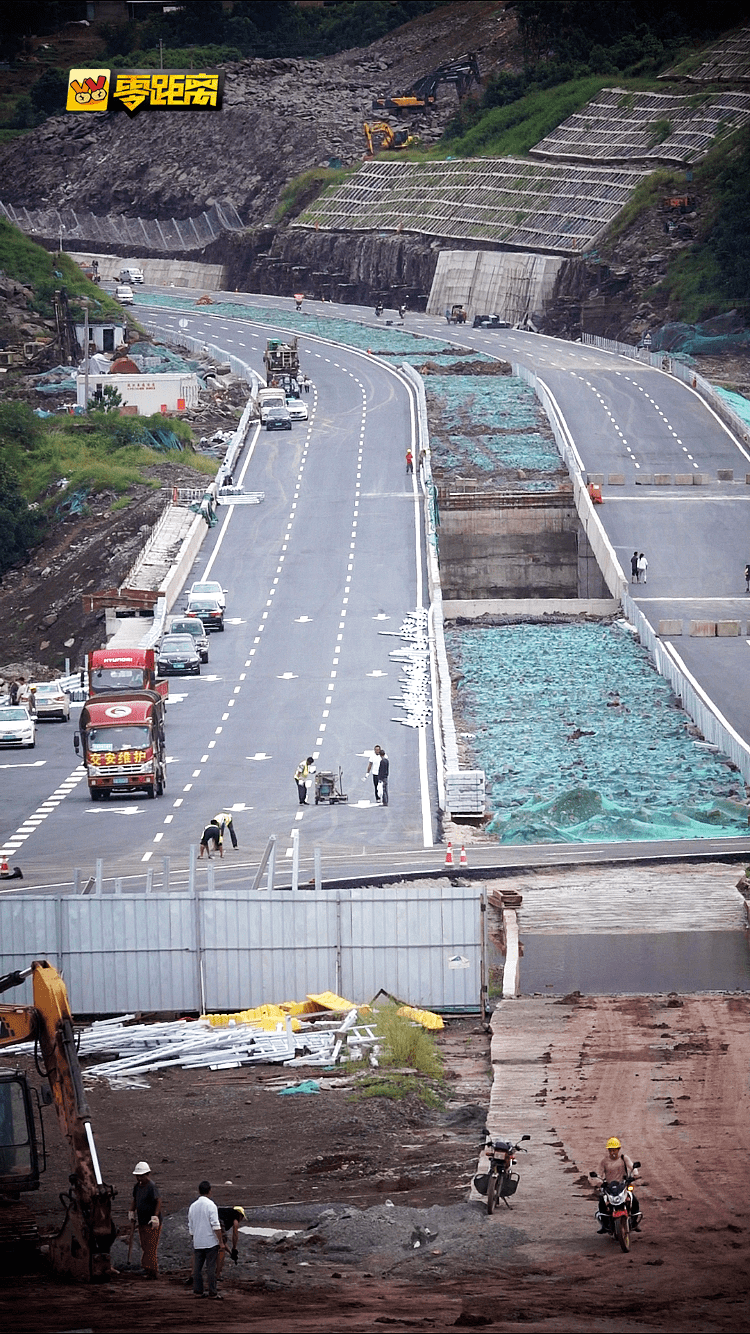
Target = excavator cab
(20,1157)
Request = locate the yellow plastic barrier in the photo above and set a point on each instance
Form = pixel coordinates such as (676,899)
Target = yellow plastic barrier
(426,1018)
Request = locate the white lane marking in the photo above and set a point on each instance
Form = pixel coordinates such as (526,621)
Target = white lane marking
(31,764)
(259,755)
(287,676)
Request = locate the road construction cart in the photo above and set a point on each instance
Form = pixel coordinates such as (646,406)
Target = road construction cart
(329,787)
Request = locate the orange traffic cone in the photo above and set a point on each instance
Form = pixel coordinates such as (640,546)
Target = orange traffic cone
(449,855)
(463,859)
(4,872)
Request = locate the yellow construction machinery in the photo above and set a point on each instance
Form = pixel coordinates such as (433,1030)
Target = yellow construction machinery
(463,72)
(80,1250)
(379,134)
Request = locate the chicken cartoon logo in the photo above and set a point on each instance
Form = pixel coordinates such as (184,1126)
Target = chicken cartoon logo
(88,90)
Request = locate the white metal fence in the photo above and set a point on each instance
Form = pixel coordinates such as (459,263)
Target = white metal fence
(129,234)
(233,949)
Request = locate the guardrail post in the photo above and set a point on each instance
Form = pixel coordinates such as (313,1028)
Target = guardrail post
(99,866)
(165,864)
(295,860)
(118,884)
(210,881)
(191,868)
(77,880)
(150,880)
(318,870)
(271,864)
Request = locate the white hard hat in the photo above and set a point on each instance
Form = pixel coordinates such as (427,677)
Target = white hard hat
(141,1169)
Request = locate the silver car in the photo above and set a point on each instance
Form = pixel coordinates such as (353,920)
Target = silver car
(51,701)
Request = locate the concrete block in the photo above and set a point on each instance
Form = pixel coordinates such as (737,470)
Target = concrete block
(616,479)
(701,478)
(703,629)
(644,479)
(683,479)
(594,478)
(662,479)
(725,474)
(670,627)
(728,629)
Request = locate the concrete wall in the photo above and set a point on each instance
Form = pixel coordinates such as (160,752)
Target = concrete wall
(158,272)
(532,547)
(488,282)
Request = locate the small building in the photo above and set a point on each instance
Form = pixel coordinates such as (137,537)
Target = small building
(105,337)
(172,391)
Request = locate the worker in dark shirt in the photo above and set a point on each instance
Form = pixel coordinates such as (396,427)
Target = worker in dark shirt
(229,1220)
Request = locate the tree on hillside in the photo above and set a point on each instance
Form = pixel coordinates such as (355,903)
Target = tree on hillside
(20,527)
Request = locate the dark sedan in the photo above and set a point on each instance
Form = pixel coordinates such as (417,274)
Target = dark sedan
(208,610)
(179,655)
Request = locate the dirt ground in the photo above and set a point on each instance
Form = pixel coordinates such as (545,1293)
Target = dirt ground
(377,1192)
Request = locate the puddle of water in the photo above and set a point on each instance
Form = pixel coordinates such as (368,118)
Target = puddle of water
(614,965)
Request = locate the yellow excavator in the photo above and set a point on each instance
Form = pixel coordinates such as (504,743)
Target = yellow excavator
(379,134)
(80,1250)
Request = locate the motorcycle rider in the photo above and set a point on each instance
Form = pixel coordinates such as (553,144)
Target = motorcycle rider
(614,1166)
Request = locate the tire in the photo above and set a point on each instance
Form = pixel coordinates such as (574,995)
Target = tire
(622,1233)
(492,1189)
(95,793)
(150,792)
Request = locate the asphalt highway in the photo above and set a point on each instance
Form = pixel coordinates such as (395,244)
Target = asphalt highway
(321,577)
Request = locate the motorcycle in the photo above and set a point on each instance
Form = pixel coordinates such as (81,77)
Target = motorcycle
(618,1208)
(501,1180)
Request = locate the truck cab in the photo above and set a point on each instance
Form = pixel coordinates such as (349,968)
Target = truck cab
(121,740)
(115,671)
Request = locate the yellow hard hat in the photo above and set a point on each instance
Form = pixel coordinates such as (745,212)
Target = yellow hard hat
(239,1210)
(613,1143)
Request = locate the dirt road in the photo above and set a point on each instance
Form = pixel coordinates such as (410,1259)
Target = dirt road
(376,1192)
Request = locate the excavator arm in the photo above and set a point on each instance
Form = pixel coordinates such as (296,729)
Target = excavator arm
(81,1248)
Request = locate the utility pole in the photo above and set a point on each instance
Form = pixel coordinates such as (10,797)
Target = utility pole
(85,304)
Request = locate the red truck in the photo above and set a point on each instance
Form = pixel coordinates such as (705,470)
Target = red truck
(121,739)
(123,670)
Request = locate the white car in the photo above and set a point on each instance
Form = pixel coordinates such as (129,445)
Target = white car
(17,727)
(124,295)
(208,588)
(297,409)
(51,701)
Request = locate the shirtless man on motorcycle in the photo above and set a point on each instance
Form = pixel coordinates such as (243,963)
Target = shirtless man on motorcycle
(614,1166)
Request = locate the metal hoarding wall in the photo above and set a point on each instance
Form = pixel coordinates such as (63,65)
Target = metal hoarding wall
(235,949)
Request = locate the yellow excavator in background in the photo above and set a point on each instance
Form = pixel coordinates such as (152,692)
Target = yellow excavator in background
(380,130)
(80,1250)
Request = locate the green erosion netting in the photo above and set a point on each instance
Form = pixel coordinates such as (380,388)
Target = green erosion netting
(581,739)
(737,402)
(493,425)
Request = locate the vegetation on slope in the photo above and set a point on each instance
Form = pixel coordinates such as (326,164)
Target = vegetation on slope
(34,267)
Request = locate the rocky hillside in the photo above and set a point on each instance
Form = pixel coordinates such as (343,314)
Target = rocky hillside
(280,117)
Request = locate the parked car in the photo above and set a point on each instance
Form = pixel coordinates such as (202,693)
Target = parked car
(191,625)
(178,654)
(297,409)
(51,701)
(17,727)
(278,419)
(207,609)
(209,588)
(124,295)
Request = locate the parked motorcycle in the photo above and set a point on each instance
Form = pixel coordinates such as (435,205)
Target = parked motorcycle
(502,1180)
(618,1215)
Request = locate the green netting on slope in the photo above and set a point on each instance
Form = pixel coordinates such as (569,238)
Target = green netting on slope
(581,739)
(390,341)
(151,357)
(737,402)
(491,424)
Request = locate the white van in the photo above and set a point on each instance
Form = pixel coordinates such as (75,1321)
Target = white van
(124,294)
(130,274)
(270,398)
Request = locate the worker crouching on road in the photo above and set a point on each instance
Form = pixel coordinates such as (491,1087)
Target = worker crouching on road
(213,833)
(229,1221)
(226,826)
(146,1212)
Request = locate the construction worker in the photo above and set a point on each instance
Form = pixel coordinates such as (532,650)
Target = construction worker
(213,833)
(226,824)
(229,1218)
